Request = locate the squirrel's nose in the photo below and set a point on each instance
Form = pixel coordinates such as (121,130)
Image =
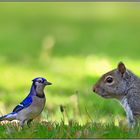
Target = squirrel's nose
(94,88)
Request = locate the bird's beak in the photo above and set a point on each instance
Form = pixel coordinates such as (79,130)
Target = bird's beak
(47,83)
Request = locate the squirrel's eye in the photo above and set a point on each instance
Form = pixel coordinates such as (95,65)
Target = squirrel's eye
(109,79)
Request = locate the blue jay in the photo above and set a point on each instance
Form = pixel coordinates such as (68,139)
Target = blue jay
(32,105)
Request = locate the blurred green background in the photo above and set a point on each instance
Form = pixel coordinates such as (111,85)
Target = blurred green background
(72,45)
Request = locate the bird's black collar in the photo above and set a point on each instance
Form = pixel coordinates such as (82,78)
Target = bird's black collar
(40,96)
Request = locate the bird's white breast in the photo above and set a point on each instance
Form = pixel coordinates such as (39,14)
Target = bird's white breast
(33,110)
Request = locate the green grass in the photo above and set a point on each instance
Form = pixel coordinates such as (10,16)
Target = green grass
(71,130)
(72,45)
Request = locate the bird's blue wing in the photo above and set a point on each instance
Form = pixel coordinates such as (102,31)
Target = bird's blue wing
(25,103)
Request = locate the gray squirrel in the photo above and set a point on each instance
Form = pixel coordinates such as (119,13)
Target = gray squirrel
(124,86)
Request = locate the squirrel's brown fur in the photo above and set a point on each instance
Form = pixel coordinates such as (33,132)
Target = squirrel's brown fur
(123,85)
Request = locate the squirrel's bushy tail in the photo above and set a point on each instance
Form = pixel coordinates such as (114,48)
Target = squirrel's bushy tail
(10,116)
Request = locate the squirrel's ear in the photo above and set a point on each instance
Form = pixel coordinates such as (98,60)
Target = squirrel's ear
(121,68)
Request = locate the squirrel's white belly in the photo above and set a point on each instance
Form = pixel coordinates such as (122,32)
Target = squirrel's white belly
(128,110)
(33,110)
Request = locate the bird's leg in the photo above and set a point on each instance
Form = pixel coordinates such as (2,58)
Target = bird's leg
(29,122)
(22,123)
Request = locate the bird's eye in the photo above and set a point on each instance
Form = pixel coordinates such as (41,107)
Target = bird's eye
(39,81)
(109,79)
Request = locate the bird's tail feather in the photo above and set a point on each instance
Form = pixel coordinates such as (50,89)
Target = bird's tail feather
(10,116)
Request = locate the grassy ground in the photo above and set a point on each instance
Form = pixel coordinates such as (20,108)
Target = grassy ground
(71,130)
(72,45)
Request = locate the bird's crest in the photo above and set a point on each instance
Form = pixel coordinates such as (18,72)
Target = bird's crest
(39,78)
